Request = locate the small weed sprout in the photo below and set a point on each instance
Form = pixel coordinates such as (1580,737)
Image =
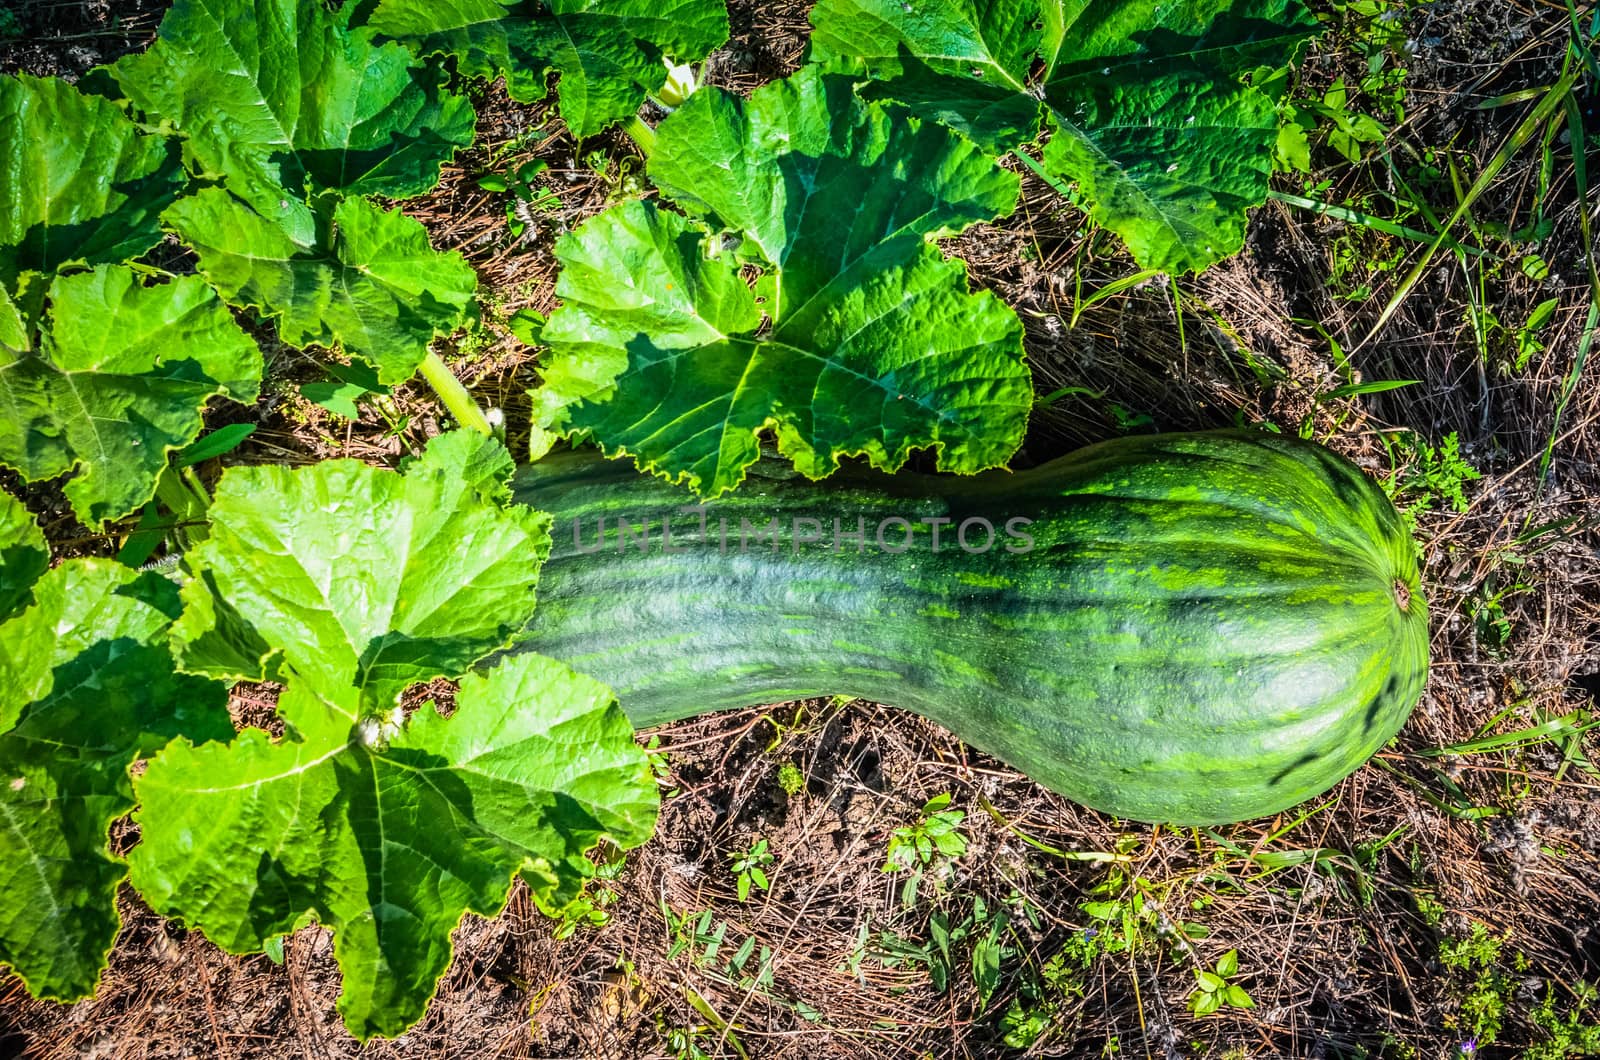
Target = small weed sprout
(791,780)
(749,868)
(1214,991)
(921,845)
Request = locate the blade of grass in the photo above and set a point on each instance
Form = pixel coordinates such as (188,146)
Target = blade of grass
(1524,132)
(1377,386)
(1367,220)
(1569,386)
(1573,723)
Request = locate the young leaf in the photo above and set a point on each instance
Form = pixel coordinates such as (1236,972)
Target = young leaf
(661,350)
(117,379)
(282,100)
(366,278)
(23,555)
(89,687)
(1145,103)
(1237,997)
(369,578)
(608,52)
(82,184)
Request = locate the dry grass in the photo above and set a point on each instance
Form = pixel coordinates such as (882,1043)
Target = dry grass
(1340,954)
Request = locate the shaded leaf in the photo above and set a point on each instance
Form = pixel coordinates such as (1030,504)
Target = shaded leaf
(117,378)
(82,184)
(23,555)
(367,279)
(89,687)
(608,52)
(1146,102)
(282,100)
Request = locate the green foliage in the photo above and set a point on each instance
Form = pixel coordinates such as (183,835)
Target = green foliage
(749,868)
(23,555)
(790,779)
(608,52)
(348,584)
(859,337)
(381,291)
(114,377)
(1215,991)
(591,907)
(1353,117)
(980,942)
(1474,964)
(1431,474)
(87,687)
(282,100)
(1569,1034)
(82,184)
(925,843)
(1147,106)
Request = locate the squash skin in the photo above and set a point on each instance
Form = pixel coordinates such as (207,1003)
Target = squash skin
(1209,627)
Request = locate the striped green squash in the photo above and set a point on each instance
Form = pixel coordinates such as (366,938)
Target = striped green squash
(1206,628)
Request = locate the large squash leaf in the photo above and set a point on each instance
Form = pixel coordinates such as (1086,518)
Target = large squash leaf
(281,99)
(387,830)
(609,52)
(82,184)
(87,686)
(860,337)
(114,378)
(365,278)
(23,555)
(1146,101)
(389,836)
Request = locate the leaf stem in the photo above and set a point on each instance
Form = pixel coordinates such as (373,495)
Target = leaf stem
(642,135)
(453,394)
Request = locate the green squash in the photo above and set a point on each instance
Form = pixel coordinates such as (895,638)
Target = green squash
(1189,628)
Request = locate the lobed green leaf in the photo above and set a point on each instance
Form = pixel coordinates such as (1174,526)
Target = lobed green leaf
(115,379)
(88,687)
(608,52)
(82,184)
(1147,103)
(860,338)
(281,100)
(365,278)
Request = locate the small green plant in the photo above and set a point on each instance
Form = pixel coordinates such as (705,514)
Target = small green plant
(791,780)
(983,933)
(1432,475)
(1216,991)
(10,25)
(591,909)
(1475,963)
(915,848)
(1570,1033)
(1529,337)
(749,868)
(528,198)
(1039,1000)
(687,1043)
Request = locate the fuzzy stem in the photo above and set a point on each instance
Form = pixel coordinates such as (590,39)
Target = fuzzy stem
(453,394)
(642,134)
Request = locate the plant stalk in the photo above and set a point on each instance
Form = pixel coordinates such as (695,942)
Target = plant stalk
(454,395)
(642,135)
